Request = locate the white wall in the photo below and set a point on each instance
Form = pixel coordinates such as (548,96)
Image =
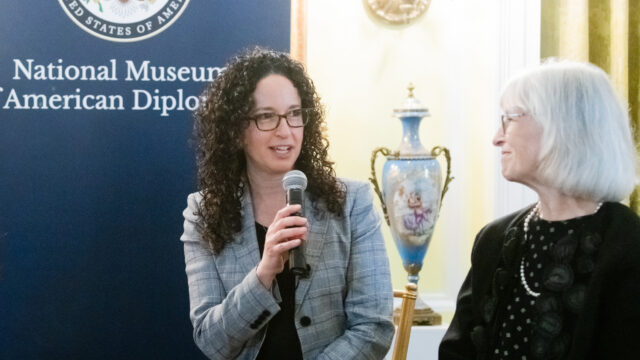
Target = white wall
(457,55)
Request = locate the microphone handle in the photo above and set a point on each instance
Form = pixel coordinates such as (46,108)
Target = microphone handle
(297,263)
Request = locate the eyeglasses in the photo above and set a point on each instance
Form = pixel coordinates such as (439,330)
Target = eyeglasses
(268,121)
(505,118)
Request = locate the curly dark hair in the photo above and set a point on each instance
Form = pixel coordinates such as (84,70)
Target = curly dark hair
(220,123)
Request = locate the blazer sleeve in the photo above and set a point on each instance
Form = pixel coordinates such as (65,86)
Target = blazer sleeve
(369,298)
(223,323)
(617,329)
(456,343)
(621,318)
(469,331)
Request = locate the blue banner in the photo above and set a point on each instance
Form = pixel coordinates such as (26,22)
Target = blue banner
(96,101)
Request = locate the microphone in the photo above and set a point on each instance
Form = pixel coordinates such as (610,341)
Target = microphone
(294,183)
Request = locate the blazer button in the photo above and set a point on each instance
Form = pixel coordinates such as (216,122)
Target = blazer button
(305,321)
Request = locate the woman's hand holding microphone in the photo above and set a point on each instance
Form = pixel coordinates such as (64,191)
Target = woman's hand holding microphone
(285,233)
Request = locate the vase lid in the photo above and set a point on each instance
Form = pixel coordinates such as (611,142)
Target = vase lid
(411,106)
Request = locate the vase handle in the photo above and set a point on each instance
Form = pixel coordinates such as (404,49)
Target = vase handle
(385,152)
(435,152)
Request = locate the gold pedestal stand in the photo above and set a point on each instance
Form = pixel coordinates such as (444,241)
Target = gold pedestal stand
(422,315)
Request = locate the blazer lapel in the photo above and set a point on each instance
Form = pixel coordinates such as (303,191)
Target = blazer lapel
(243,252)
(246,242)
(318,225)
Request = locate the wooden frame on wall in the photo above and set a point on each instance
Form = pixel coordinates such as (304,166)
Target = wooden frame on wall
(298,44)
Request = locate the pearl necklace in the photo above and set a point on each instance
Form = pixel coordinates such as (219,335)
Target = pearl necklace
(532,213)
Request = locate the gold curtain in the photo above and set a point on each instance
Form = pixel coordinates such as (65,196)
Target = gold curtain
(605,33)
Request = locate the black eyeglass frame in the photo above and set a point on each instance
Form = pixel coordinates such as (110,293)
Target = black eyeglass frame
(304,113)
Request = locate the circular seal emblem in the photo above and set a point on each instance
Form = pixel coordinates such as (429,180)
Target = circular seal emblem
(397,12)
(124,20)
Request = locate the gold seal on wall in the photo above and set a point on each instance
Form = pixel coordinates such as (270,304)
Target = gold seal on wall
(397,11)
(124,20)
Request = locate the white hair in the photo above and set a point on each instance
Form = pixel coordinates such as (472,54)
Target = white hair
(586,147)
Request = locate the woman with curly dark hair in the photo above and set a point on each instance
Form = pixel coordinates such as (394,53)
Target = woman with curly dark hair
(261,119)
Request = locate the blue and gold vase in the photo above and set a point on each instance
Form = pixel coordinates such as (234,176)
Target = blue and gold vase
(412,188)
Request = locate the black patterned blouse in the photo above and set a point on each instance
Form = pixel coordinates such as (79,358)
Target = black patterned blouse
(553,266)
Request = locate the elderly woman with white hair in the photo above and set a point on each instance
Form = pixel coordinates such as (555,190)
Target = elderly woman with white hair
(559,279)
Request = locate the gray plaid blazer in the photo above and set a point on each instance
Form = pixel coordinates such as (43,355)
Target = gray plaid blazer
(343,310)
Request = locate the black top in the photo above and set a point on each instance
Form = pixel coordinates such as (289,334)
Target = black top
(517,336)
(281,340)
(588,307)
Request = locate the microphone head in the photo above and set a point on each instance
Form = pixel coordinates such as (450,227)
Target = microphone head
(294,179)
